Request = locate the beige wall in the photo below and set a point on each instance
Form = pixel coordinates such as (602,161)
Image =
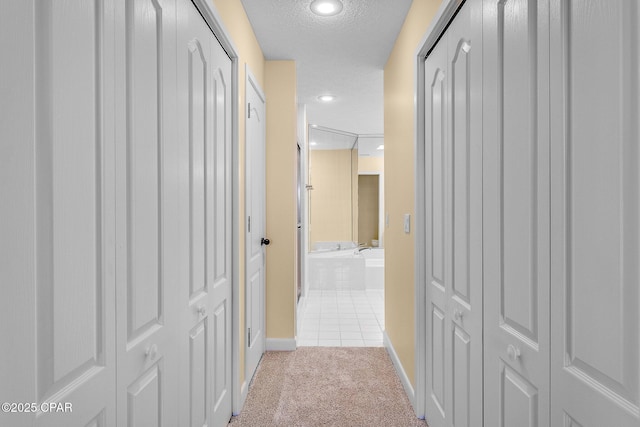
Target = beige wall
(282,110)
(237,24)
(370,164)
(399,181)
(331,175)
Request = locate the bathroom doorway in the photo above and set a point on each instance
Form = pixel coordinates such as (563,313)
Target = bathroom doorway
(345,302)
(368,210)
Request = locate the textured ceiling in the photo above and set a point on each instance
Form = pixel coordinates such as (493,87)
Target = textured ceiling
(342,55)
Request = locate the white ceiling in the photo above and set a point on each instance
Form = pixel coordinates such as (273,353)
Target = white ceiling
(342,55)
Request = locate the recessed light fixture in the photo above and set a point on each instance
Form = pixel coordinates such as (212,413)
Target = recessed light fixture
(380,147)
(326,98)
(326,7)
(314,126)
(313,143)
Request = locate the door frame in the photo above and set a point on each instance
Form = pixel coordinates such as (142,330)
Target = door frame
(214,21)
(439,24)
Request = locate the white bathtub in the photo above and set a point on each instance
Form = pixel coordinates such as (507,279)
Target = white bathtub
(347,269)
(374,268)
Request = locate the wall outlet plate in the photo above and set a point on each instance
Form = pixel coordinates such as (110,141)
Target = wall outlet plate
(407,223)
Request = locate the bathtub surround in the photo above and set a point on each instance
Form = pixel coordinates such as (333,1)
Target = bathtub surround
(345,269)
(302,388)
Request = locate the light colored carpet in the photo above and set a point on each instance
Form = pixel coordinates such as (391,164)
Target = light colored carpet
(327,386)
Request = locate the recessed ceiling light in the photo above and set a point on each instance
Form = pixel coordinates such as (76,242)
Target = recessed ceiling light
(326,98)
(326,7)
(314,126)
(313,143)
(380,147)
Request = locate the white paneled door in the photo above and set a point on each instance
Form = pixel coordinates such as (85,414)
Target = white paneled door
(147,264)
(115,215)
(595,215)
(204,165)
(453,156)
(516,213)
(57,342)
(255,236)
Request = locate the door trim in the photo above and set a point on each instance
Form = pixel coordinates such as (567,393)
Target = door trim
(214,21)
(440,22)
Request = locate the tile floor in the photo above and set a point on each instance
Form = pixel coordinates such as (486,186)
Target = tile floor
(342,318)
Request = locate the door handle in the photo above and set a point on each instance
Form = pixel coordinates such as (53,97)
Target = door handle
(265,242)
(513,352)
(151,352)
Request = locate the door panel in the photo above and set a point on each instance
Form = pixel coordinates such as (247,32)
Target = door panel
(204,168)
(436,102)
(255,227)
(199,64)
(518,400)
(195,90)
(57,213)
(70,285)
(221,363)
(516,213)
(144,162)
(72,288)
(219,173)
(219,177)
(146,224)
(453,82)
(144,403)
(94,170)
(595,358)
(462,364)
(465,293)
(438,357)
(198,374)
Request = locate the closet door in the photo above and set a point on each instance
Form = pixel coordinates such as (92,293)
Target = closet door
(57,212)
(516,213)
(595,185)
(453,73)
(146,222)
(438,322)
(204,100)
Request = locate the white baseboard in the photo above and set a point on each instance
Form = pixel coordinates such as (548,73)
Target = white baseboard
(281,344)
(404,379)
